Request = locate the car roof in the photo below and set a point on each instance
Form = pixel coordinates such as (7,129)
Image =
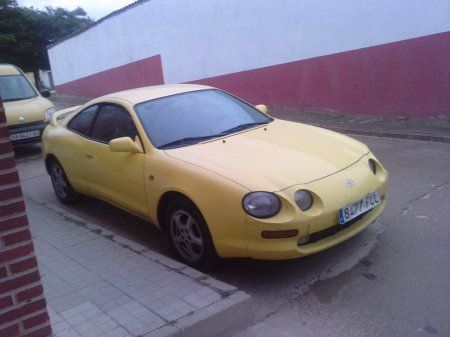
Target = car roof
(139,95)
(8,69)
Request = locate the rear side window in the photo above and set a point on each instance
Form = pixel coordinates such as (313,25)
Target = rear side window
(82,123)
(113,122)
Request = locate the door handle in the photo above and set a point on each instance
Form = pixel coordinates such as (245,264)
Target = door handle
(88,156)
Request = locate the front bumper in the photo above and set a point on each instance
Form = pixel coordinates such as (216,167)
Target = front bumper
(321,222)
(36,126)
(283,249)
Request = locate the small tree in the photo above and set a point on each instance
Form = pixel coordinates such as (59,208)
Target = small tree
(25,33)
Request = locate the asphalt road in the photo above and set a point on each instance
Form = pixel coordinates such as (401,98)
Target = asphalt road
(391,280)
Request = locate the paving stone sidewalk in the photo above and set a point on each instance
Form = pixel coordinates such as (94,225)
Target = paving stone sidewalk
(398,126)
(99,284)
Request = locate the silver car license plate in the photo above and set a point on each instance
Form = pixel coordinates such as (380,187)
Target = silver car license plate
(359,207)
(25,135)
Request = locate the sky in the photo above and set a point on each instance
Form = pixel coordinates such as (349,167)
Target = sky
(96,9)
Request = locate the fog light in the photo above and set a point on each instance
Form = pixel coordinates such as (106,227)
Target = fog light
(303,240)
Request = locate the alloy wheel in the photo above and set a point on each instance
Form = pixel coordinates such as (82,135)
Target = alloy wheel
(59,181)
(186,236)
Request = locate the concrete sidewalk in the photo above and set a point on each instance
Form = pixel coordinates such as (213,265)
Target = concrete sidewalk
(100,284)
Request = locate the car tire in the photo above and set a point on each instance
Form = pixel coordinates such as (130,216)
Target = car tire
(61,185)
(189,234)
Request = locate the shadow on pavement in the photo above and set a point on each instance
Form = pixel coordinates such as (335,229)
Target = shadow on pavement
(27,151)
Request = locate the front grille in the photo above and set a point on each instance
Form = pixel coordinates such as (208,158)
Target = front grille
(24,125)
(320,235)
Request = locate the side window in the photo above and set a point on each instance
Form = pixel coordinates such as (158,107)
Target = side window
(113,122)
(82,122)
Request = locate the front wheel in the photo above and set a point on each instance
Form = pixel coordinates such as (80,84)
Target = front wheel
(189,234)
(61,185)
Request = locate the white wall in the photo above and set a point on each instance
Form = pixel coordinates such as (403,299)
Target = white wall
(45,78)
(204,38)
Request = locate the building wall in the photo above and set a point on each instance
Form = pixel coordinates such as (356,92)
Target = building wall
(380,57)
(46,78)
(22,304)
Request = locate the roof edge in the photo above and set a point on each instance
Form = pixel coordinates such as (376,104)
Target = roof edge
(104,18)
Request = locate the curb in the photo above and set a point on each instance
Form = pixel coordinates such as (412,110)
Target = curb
(232,312)
(219,319)
(409,136)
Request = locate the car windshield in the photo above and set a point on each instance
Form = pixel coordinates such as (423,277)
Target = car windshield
(192,117)
(15,88)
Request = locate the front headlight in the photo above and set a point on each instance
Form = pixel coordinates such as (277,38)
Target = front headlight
(303,199)
(261,204)
(49,113)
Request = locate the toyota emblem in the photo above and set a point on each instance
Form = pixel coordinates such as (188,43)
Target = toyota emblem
(349,182)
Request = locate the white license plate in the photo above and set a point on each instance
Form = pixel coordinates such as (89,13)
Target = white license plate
(359,207)
(25,135)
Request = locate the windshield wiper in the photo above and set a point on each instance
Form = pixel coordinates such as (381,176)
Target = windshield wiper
(186,141)
(195,140)
(242,127)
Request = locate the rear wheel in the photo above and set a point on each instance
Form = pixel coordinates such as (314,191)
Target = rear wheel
(189,234)
(61,185)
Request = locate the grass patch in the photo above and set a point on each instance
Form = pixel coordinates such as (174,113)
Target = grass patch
(77,222)
(109,237)
(224,293)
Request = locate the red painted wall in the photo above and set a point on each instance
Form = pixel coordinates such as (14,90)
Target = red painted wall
(132,75)
(410,77)
(407,78)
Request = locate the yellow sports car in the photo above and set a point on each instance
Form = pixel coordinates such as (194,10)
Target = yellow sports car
(221,177)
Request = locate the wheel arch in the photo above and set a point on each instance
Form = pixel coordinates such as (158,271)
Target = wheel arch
(206,260)
(49,158)
(165,201)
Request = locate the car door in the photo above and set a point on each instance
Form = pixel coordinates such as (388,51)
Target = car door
(117,177)
(71,147)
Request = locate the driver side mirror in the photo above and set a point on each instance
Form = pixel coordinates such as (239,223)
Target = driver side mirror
(45,93)
(263,108)
(125,144)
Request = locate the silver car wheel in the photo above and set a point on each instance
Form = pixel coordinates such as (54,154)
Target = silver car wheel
(186,236)
(59,181)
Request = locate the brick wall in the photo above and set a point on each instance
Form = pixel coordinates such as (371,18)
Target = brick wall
(22,304)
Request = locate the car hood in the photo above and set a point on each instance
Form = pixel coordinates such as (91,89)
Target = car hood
(276,156)
(32,110)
